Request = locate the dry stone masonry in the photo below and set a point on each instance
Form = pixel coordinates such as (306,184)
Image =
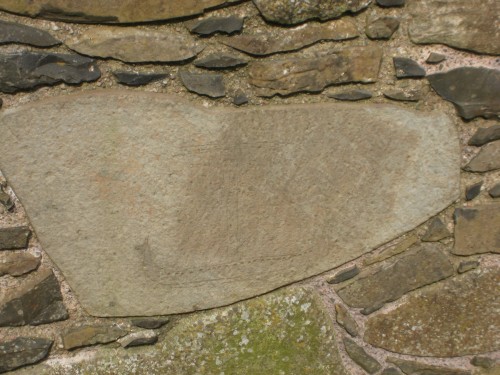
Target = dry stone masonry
(278,187)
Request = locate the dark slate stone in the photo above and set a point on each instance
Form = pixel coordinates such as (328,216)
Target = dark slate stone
(494,192)
(412,95)
(436,231)
(391,3)
(23,351)
(435,58)
(344,275)
(240,98)
(212,25)
(220,61)
(211,85)
(1,103)
(474,91)
(407,68)
(485,135)
(38,301)
(14,238)
(382,27)
(473,191)
(488,159)
(391,371)
(16,33)
(27,70)
(351,95)
(467,266)
(150,323)
(361,357)
(5,199)
(138,79)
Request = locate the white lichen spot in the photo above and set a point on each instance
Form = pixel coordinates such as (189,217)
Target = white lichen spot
(305,306)
(244,341)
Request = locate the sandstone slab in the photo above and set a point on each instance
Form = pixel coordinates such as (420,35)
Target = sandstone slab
(361,357)
(345,319)
(110,11)
(388,283)
(14,238)
(381,27)
(22,351)
(11,32)
(135,45)
(294,39)
(410,367)
(485,135)
(285,77)
(391,251)
(488,159)
(91,335)
(202,208)
(462,24)
(436,231)
(477,230)
(17,263)
(423,325)
(296,11)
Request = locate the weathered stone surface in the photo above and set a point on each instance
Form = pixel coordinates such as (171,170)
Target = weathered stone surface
(495,370)
(344,275)
(388,283)
(211,85)
(138,79)
(17,264)
(5,199)
(391,371)
(407,68)
(474,91)
(484,362)
(27,70)
(391,251)
(487,160)
(411,95)
(91,335)
(284,77)
(14,238)
(220,61)
(477,230)
(391,3)
(296,11)
(494,192)
(485,135)
(436,231)
(138,339)
(110,11)
(211,207)
(286,332)
(361,357)
(17,33)
(467,266)
(37,301)
(435,58)
(135,45)
(293,39)
(212,25)
(352,95)
(462,24)
(423,325)
(150,323)
(23,351)
(381,27)
(473,191)
(417,368)
(240,98)
(345,320)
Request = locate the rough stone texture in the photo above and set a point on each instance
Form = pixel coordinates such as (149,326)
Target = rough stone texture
(391,251)
(361,357)
(465,24)
(388,283)
(284,77)
(424,326)
(18,263)
(487,160)
(296,11)
(391,371)
(473,191)
(210,206)
(391,3)
(436,231)
(407,68)
(345,320)
(27,70)
(485,135)
(240,98)
(37,301)
(494,192)
(286,332)
(474,91)
(477,230)
(14,238)
(293,39)
(11,32)
(412,95)
(467,266)
(110,11)
(5,199)
(91,335)
(435,58)
(23,351)
(351,96)
(212,25)
(135,45)
(344,275)
(220,61)
(484,362)
(138,339)
(150,323)
(138,79)
(420,368)
(494,370)
(381,27)
(211,85)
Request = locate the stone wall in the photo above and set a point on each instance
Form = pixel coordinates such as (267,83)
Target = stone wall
(300,234)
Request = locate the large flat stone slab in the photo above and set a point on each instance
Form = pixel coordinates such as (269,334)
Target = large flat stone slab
(110,11)
(153,206)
